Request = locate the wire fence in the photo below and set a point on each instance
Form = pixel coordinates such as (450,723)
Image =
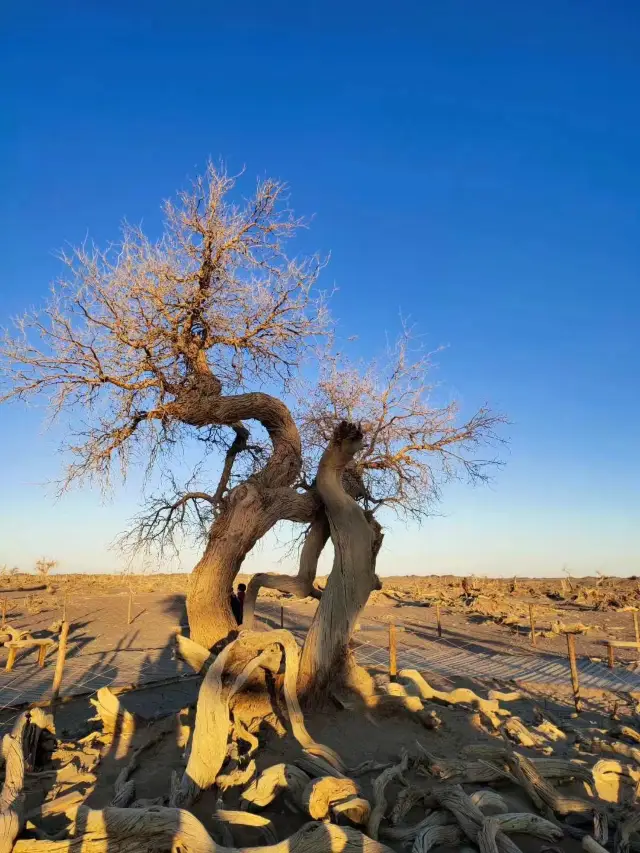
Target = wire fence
(84,675)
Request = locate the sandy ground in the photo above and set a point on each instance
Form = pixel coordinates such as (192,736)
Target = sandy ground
(101,640)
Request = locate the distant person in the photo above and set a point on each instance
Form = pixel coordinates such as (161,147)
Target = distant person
(236,608)
(237,602)
(242,588)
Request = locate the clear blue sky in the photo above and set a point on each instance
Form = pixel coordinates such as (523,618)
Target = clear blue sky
(476,165)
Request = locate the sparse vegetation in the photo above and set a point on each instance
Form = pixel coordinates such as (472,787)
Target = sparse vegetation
(45,566)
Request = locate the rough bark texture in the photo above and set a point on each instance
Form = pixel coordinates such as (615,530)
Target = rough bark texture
(356,541)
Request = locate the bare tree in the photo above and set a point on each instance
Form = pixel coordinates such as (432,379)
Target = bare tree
(411,446)
(44,566)
(150,345)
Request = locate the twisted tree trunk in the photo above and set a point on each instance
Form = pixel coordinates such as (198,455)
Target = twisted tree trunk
(356,538)
(249,510)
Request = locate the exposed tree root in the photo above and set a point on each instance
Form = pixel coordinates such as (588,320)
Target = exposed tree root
(212,726)
(613,747)
(397,699)
(489,708)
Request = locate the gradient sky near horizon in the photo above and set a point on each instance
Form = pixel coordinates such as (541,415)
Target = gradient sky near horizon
(474,165)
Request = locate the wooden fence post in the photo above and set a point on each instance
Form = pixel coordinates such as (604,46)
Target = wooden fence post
(62,652)
(533,625)
(636,628)
(4,610)
(438,619)
(610,656)
(575,682)
(282,615)
(393,652)
(64,608)
(130,607)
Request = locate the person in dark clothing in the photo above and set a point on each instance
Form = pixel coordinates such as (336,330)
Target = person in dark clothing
(237,602)
(242,588)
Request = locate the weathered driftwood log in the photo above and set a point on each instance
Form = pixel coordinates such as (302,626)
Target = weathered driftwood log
(492,767)
(612,747)
(407,798)
(439,817)
(379,801)
(320,795)
(368,766)
(114,718)
(607,767)
(487,833)
(487,798)
(237,777)
(198,658)
(239,818)
(19,750)
(527,823)
(488,708)
(316,767)
(273,780)
(137,830)
(518,732)
(626,829)
(541,792)
(356,810)
(469,816)
(626,731)
(591,845)
(433,836)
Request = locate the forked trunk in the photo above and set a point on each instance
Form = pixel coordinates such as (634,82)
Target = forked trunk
(356,539)
(300,585)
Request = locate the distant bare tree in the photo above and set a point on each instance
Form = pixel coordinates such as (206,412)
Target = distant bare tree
(148,346)
(44,566)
